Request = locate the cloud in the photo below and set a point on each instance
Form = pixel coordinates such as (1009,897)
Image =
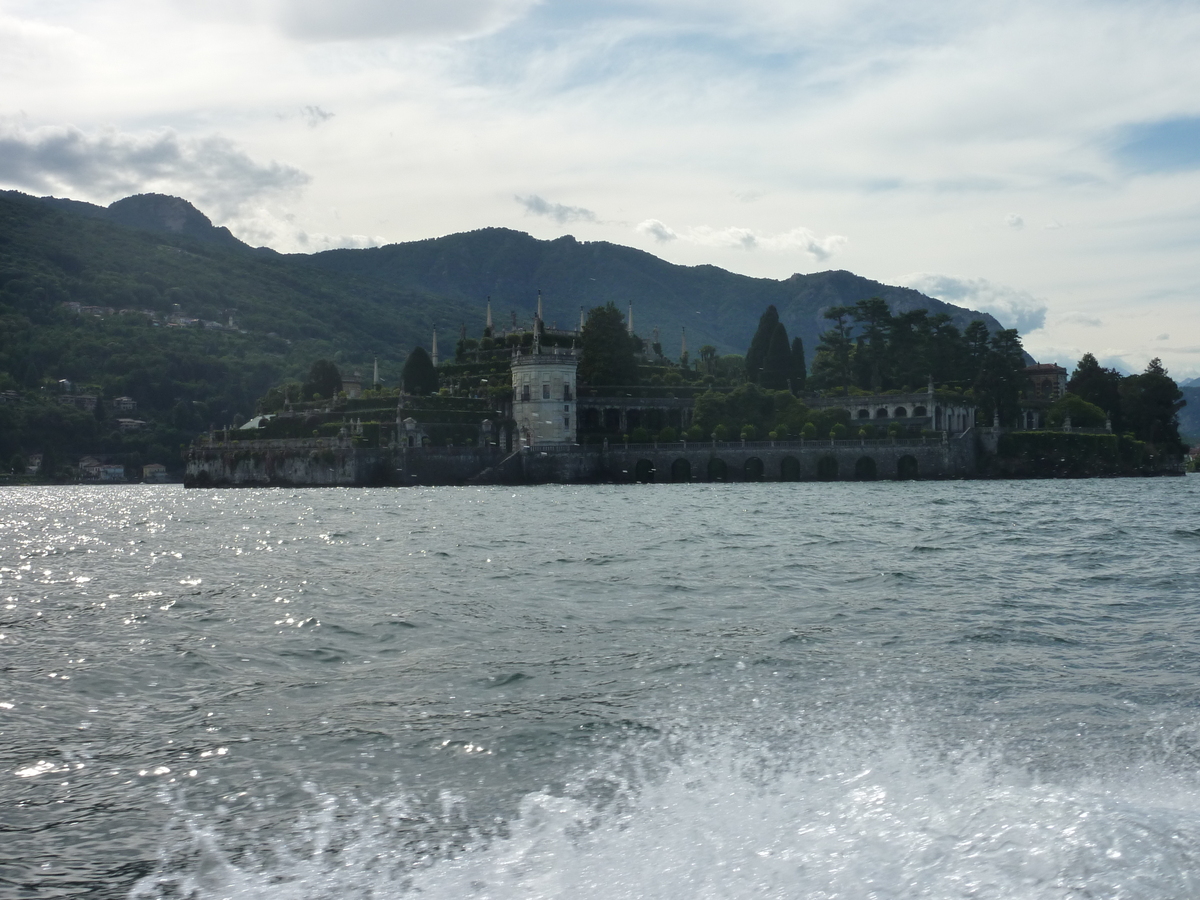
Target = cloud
(536,206)
(1014,308)
(1014,221)
(320,20)
(314,116)
(657,230)
(738,238)
(109,164)
(1077,318)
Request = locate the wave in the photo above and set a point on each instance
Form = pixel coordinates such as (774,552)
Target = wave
(848,816)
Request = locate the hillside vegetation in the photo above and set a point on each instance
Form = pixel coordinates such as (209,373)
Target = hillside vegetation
(146,299)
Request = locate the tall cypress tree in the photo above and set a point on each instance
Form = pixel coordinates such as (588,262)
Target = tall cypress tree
(418,374)
(777,366)
(756,356)
(799,366)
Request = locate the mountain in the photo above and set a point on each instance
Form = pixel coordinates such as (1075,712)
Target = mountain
(717,307)
(147,299)
(1189,416)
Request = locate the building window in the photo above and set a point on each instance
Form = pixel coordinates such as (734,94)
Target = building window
(566,391)
(566,407)
(567,423)
(525,392)
(545,392)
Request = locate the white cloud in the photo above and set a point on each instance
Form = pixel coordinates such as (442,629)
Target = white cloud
(321,20)
(736,237)
(1014,221)
(657,230)
(536,206)
(108,164)
(1013,307)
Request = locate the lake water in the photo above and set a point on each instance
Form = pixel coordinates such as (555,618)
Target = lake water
(887,690)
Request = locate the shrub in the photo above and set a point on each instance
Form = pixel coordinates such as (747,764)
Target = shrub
(668,435)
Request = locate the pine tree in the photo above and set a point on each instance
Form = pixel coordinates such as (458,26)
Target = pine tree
(608,349)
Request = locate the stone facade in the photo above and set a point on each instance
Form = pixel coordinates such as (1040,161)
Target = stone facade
(544,388)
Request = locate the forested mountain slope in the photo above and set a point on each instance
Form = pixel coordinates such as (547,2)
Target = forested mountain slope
(717,307)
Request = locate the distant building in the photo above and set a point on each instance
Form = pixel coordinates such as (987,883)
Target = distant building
(352,385)
(33,464)
(130,424)
(80,401)
(154,472)
(1047,381)
(124,404)
(544,388)
(89,468)
(112,472)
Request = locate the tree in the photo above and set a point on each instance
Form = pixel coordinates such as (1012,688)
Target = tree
(708,356)
(1099,386)
(756,356)
(418,375)
(608,349)
(324,379)
(1150,405)
(1002,376)
(777,365)
(799,367)
(872,363)
(832,366)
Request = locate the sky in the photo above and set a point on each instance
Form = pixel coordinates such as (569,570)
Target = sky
(1037,160)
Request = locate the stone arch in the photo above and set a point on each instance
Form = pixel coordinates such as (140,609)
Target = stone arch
(920,411)
(717,470)
(865,469)
(881,413)
(827,468)
(789,469)
(753,469)
(681,470)
(900,413)
(864,414)
(644,471)
(907,468)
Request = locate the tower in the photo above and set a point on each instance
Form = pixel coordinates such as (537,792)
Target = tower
(489,317)
(629,321)
(581,320)
(539,312)
(375,380)
(683,344)
(435,360)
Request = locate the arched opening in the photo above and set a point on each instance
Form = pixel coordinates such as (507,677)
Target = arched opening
(827,468)
(681,470)
(881,414)
(612,420)
(864,414)
(644,471)
(789,469)
(753,469)
(900,412)
(865,469)
(906,468)
(920,411)
(717,470)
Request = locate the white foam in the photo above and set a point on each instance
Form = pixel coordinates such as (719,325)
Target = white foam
(729,819)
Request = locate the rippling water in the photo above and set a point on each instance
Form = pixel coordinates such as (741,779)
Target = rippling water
(933,690)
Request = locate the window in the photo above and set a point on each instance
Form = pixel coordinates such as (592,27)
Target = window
(545,392)
(567,423)
(567,391)
(566,407)
(525,392)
